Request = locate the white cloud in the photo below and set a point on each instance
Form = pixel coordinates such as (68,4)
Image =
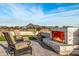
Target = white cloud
(70,17)
(35,14)
(20,12)
(62,14)
(8,20)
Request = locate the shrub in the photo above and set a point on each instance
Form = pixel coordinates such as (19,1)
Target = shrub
(32,38)
(2,38)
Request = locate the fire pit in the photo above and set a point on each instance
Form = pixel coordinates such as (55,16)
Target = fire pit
(63,40)
(58,36)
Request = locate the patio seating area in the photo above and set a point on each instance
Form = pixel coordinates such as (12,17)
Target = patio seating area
(22,45)
(38,49)
(14,46)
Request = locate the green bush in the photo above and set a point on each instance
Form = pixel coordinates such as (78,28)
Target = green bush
(32,38)
(2,38)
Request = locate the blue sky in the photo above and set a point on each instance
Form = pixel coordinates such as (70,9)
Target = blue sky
(39,13)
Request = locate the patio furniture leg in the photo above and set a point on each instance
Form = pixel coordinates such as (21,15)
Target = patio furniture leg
(31,50)
(15,52)
(9,51)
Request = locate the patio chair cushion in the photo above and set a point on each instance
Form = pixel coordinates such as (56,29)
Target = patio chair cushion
(21,45)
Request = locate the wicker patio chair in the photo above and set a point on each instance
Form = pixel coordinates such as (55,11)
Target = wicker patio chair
(18,35)
(14,46)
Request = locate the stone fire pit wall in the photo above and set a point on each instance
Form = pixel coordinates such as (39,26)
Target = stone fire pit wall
(71,34)
(71,41)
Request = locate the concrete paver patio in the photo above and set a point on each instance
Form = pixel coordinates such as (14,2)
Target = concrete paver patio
(38,50)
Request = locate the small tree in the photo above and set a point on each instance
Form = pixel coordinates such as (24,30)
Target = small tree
(56,26)
(34,30)
(38,29)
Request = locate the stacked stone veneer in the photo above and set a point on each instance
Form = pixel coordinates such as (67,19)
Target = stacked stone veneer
(71,41)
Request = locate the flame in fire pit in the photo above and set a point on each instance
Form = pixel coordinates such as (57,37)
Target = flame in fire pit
(58,36)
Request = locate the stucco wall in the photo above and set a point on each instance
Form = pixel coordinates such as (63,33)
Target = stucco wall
(24,33)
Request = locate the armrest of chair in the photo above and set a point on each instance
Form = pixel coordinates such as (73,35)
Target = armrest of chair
(28,42)
(25,38)
(19,38)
